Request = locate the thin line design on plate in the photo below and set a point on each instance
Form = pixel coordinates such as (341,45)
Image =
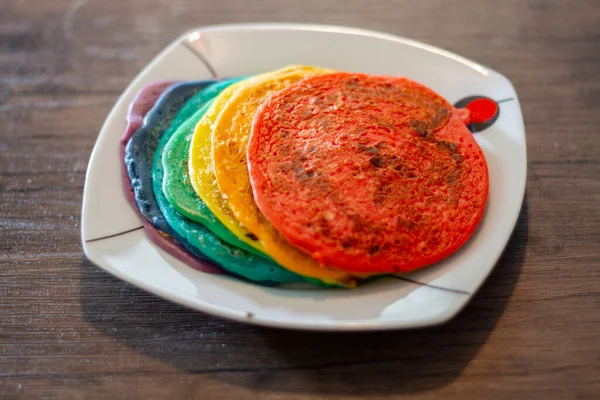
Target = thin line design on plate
(115,234)
(198,53)
(505,100)
(457,291)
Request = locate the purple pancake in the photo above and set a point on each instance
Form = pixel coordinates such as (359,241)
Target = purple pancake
(135,117)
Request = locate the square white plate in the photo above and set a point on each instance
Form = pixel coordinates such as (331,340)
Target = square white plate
(430,296)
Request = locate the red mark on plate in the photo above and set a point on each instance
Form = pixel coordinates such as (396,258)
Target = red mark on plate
(482,109)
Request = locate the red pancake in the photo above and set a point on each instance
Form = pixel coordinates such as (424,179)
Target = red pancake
(367,173)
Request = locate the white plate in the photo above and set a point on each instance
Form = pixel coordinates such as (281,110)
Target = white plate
(435,294)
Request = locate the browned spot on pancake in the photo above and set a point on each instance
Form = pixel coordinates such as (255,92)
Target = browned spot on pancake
(382,193)
(377,162)
(447,146)
(304,176)
(286,167)
(373,249)
(452,177)
(348,244)
(324,226)
(325,123)
(409,225)
(251,236)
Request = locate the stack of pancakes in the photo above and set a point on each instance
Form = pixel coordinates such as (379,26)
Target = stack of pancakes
(303,174)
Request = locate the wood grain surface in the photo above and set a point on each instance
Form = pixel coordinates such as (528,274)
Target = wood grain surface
(68,330)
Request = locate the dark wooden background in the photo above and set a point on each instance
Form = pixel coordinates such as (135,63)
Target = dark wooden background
(70,330)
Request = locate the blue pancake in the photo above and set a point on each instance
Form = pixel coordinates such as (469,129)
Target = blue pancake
(144,161)
(138,109)
(139,152)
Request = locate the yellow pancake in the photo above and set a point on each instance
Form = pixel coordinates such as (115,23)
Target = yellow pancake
(230,137)
(202,175)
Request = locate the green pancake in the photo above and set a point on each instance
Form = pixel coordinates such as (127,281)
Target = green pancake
(179,191)
(231,258)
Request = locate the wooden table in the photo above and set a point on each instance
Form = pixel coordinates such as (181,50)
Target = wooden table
(70,330)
